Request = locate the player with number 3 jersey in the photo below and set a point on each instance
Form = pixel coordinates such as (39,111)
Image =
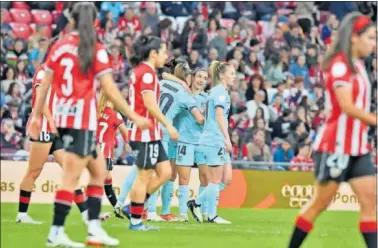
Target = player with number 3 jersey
(73,67)
(341,146)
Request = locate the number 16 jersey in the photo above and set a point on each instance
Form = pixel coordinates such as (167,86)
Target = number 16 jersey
(75,106)
(173,100)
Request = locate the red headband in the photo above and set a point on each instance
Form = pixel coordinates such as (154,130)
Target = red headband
(360,23)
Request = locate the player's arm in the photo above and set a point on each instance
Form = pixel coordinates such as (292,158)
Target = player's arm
(345,100)
(152,107)
(197,115)
(42,93)
(123,129)
(173,78)
(219,116)
(111,91)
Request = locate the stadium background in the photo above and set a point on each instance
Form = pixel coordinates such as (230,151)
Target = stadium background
(277,103)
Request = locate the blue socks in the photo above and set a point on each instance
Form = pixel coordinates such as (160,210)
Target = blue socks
(213,198)
(183,195)
(204,205)
(151,203)
(128,184)
(166,197)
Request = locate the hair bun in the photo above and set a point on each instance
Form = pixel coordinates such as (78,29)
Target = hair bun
(144,40)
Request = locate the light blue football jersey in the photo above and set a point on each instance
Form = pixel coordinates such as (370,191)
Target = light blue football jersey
(212,135)
(189,129)
(173,100)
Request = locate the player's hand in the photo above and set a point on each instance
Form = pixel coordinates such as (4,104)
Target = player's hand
(142,123)
(34,128)
(173,133)
(53,128)
(228,146)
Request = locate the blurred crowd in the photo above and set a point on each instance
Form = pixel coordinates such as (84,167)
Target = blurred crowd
(276,48)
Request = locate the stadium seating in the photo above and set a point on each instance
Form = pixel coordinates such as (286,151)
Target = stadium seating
(42,17)
(6,16)
(21,30)
(55,15)
(20,5)
(47,29)
(21,16)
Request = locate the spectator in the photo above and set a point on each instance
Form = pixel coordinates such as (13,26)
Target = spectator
(311,56)
(275,43)
(316,74)
(23,154)
(176,9)
(292,19)
(116,8)
(21,73)
(284,153)
(299,69)
(220,43)
(213,27)
(8,77)
(118,65)
(254,105)
(193,38)
(253,65)
(297,135)
(256,83)
(230,10)
(315,38)
(37,55)
(14,93)
(17,54)
(276,109)
(295,36)
(166,33)
(130,21)
(10,138)
(327,29)
(38,34)
(303,161)
(107,32)
(254,46)
(257,149)
(269,27)
(261,125)
(239,150)
(304,12)
(150,18)
(273,70)
(212,56)
(281,127)
(194,59)
(265,9)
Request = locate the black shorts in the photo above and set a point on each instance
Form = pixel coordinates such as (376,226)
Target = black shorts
(109,164)
(80,142)
(342,168)
(148,154)
(46,137)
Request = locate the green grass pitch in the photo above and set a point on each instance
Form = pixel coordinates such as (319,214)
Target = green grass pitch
(249,229)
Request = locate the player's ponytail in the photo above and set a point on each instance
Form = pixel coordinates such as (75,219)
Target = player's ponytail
(102,101)
(182,71)
(217,68)
(142,47)
(84,15)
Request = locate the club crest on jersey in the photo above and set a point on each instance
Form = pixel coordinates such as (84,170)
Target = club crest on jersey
(148,78)
(338,69)
(335,172)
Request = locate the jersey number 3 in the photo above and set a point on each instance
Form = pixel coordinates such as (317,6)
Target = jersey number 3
(67,88)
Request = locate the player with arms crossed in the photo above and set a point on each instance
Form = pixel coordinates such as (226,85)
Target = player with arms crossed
(341,146)
(190,131)
(215,140)
(148,54)
(108,123)
(73,65)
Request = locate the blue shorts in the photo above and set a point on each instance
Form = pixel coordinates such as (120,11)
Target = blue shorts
(170,148)
(215,156)
(189,154)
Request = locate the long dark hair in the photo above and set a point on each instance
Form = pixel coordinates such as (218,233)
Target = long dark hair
(343,43)
(142,47)
(84,15)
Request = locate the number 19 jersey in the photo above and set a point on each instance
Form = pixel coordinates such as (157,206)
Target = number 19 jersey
(173,100)
(75,107)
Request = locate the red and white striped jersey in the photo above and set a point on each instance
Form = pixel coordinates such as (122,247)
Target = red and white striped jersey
(108,123)
(75,91)
(50,98)
(143,79)
(342,134)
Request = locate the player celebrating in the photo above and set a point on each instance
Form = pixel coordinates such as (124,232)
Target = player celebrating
(47,143)
(215,141)
(74,64)
(341,146)
(108,123)
(149,53)
(190,131)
